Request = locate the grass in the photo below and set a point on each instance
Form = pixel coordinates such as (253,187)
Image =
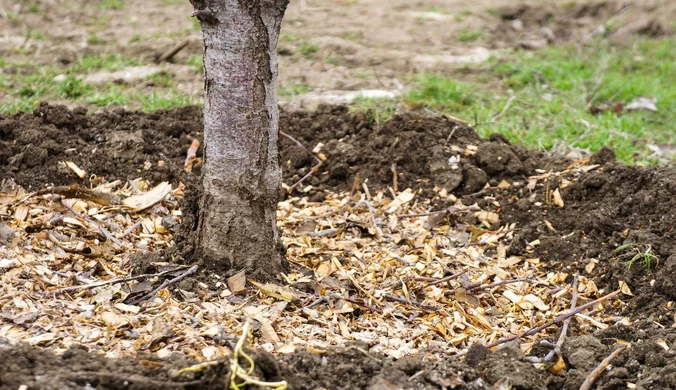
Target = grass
(28,84)
(543,98)
(638,254)
(294,89)
(469,35)
(308,49)
(111,4)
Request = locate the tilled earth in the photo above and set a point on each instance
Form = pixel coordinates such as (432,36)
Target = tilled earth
(613,216)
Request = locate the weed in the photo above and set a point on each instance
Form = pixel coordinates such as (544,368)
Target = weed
(635,253)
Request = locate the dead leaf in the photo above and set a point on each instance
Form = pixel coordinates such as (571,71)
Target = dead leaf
(556,197)
(237,283)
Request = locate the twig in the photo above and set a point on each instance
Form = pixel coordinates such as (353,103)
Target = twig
(540,328)
(412,302)
(313,170)
(164,284)
(295,141)
(169,54)
(589,380)
(504,109)
(363,304)
(564,327)
(450,210)
(130,229)
(118,280)
(496,284)
(105,233)
(442,280)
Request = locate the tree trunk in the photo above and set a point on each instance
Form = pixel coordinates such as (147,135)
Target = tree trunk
(241,177)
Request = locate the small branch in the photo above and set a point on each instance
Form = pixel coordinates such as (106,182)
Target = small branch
(433,281)
(130,229)
(450,210)
(313,170)
(504,109)
(564,328)
(362,304)
(295,141)
(169,54)
(118,280)
(166,283)
(496,284)
(589,380)
(412,302)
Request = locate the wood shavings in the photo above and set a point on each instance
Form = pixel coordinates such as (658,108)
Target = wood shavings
(364,267)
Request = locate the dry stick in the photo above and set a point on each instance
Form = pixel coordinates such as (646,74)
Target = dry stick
(450,210)
(540,328)
(496,284)
(504,109)
(442,280)
(313,170)
(118,280)
(363,304)
(169,54)
(589,380)
(166,283)
(130,229)
(412,302)
(564,328)
(102,230)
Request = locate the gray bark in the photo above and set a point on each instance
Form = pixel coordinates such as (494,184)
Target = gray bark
(241,178)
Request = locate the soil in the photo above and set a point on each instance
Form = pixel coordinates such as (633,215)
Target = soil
(605,208)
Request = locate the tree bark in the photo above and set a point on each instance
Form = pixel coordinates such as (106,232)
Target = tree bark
(241,178)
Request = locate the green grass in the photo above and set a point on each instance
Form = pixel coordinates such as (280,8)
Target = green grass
(294,89)
(111,4)
(308,49)
(643,255)
(469,35)
(543,98)
(29,84)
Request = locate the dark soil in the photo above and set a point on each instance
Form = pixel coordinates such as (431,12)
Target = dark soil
(606,208)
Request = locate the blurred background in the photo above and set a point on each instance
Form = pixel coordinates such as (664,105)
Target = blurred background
(562,76)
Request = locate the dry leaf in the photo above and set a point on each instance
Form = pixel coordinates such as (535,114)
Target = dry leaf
(556,197)
(237,283)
